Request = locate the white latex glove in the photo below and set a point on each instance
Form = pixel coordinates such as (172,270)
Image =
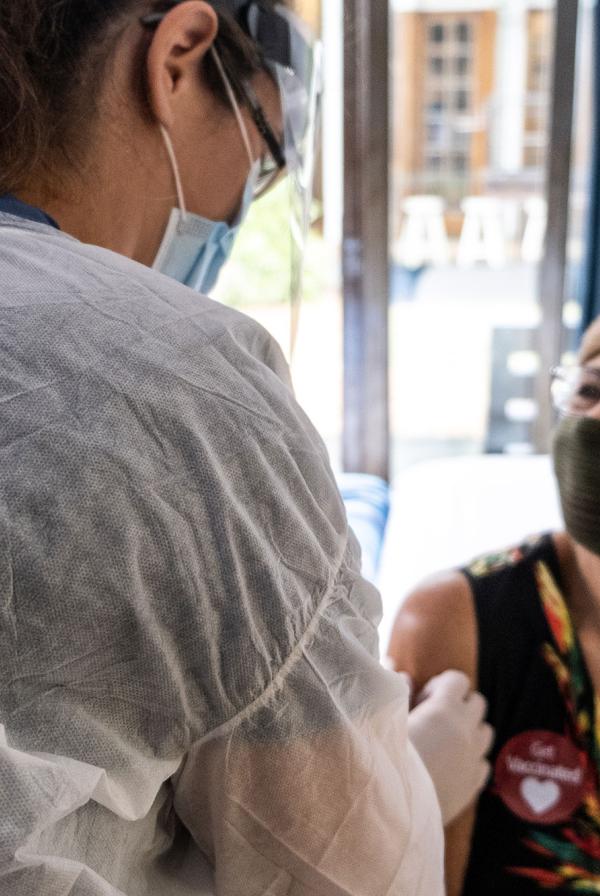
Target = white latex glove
(448,731)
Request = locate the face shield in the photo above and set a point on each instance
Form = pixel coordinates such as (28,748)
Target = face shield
(295,60)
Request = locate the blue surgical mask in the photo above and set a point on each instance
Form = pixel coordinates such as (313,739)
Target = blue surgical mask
(194,249)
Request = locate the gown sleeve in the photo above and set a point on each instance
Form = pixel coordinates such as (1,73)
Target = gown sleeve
(315,788)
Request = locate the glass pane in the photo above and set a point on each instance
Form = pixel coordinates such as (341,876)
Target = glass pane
(469,210)
(257,278)
(462,100)
(463,32)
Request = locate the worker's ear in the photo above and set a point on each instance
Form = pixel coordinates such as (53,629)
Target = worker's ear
(174,62)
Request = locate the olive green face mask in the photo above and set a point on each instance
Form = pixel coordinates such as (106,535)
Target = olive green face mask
(576,452)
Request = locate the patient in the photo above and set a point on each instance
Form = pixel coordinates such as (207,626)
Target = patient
(524,625)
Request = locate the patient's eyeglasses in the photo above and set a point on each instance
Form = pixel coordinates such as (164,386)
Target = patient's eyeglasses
(575,390)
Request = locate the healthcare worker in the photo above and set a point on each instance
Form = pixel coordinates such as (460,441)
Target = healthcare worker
(190,695)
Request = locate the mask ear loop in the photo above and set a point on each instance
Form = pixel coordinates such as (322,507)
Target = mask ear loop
(241,124)
(234,104)
(175,167)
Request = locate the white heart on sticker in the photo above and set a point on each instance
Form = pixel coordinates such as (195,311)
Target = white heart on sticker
(541,796)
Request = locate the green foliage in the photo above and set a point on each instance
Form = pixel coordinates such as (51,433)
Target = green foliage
(258,272)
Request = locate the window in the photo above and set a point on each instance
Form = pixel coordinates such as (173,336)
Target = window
(462,100)
(470,221)
(460,163)
(463,32)
(449,92)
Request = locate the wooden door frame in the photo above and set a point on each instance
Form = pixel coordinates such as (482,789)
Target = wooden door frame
(365,249)
(552,275)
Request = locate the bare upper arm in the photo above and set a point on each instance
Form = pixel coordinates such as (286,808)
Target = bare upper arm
(458,849)
(436,630)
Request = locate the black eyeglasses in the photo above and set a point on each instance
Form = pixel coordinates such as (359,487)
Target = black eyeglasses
(272,165)
(575,390)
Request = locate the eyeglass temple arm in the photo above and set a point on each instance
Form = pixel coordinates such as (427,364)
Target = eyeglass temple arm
(256,109)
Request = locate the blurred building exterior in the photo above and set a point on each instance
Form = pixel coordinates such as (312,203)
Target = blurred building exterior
(472,97)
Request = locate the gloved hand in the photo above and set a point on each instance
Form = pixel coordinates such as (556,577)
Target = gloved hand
(447,729)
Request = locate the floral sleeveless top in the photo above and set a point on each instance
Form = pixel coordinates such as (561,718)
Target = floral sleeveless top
(538,821)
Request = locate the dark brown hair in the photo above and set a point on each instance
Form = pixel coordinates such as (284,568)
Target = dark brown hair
(53,56)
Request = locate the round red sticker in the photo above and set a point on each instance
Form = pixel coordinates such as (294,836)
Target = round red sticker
(542,777)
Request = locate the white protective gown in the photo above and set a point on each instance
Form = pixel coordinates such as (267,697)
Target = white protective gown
(190,695)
